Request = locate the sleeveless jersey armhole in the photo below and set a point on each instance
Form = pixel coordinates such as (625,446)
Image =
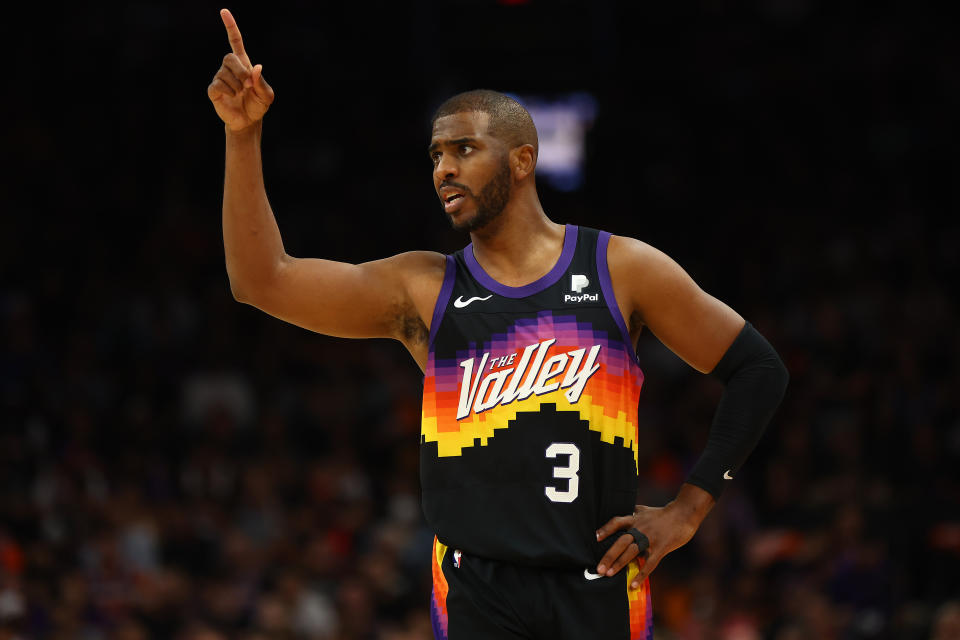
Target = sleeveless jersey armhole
(606,285)
(446,289)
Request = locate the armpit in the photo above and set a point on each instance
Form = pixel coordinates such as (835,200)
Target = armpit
(410,327)
(636,327)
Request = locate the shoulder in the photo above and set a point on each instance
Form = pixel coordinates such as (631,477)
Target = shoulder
(645,278)
(638,259)
(655,290)
(419,262)
(412,266)
(424,270)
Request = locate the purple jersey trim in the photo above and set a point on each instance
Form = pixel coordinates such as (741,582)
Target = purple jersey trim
(569,246)
(438,618)
(606,285)
(449,276)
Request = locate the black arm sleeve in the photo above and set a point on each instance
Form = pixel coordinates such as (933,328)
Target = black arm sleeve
(755,381)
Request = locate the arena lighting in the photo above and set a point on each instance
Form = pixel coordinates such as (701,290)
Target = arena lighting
(562,124)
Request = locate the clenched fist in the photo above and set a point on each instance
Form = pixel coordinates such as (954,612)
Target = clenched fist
(238,92)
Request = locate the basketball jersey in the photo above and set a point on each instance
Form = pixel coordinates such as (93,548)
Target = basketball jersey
(529,425)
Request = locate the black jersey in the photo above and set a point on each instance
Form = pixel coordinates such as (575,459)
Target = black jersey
(529,423)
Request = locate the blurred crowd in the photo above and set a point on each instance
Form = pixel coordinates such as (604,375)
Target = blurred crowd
(176,465)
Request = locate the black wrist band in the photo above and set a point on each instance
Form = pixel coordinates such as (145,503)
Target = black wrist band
(643,542)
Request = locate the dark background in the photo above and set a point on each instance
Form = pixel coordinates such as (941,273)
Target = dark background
(177,465)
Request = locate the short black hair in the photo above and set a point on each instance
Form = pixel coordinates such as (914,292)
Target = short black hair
(509,121)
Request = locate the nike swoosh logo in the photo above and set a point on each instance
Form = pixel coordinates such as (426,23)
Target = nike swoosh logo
(460,303)
(726,475)
(591,576)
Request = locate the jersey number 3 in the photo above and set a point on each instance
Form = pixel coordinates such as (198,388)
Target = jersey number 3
(568,472)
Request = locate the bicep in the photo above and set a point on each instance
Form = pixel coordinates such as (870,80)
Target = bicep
(368,300)
(690,322)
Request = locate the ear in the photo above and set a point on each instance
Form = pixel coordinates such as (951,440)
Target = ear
(523,160)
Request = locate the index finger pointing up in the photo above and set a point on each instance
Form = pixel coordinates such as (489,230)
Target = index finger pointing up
(233,34)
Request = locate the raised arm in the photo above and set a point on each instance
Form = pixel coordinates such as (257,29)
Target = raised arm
(654,292)
(385,298)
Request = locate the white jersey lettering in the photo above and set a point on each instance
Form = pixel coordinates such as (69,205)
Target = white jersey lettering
(512,392)
(559,361)
(577,376)
(467,393)
(539,375)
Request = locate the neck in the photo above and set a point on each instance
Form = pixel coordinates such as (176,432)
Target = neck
(521,245)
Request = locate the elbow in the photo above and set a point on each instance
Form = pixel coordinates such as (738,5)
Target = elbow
(254,293)
(237,293)
(243,287)
(252,285)
(240,290)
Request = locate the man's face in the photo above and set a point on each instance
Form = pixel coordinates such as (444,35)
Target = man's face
(471,170)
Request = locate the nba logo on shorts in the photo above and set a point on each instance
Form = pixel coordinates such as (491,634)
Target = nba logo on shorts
(456,558)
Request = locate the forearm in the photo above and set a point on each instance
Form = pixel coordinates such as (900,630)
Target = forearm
(251,238)
(755,381)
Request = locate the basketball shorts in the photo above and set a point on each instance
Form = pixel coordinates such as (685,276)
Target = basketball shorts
(480,599)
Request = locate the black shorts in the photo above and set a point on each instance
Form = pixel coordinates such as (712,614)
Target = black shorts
(479,599)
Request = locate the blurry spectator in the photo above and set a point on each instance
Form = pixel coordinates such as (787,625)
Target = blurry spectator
(176,466)
(946,622)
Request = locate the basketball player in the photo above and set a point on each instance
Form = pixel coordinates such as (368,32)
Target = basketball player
(526,338)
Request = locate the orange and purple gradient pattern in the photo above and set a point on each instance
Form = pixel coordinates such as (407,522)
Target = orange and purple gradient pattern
(641,609)
(608,403)
(438,601)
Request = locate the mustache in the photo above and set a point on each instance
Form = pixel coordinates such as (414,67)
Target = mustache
(456,185)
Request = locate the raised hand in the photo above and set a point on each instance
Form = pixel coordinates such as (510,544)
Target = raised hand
(238,92)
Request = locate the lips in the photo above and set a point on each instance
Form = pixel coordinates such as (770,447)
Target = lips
(452,199)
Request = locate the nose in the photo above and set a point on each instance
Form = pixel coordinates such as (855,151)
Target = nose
(446,168)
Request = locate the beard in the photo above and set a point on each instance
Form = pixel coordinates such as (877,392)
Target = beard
(491,201)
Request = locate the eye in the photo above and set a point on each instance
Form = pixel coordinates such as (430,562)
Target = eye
(465,149)
(435,157)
